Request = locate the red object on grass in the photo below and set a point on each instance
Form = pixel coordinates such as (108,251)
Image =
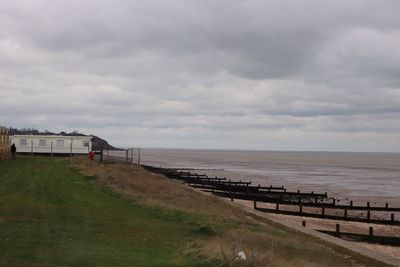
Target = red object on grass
(91,155)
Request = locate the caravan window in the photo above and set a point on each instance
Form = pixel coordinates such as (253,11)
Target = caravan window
(85,143)
(23,142)
(60,143)
(42,142)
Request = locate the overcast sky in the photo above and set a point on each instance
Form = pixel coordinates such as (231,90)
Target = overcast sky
(274,75)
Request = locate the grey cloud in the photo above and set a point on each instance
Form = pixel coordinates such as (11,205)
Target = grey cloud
(194,73)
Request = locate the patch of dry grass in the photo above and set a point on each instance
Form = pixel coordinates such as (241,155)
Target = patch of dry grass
(154,189)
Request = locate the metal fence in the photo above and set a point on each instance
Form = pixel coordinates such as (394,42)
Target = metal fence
(123,155)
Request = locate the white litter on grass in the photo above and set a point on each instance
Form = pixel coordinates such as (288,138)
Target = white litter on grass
(241,256)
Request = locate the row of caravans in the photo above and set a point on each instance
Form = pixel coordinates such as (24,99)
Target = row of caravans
(52,144)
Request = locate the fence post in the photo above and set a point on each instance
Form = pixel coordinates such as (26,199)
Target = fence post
(277,206)
(303,223)
(31,147)
(51,148)
(127,156)
(107,153)
(368,215)
(351,203)
(371,232)
(230,190)
(345,214)
(392,217)
(254,204)
(101,154)
(301,209)
(139,156)
(132,155)
(323,211)
(338,230)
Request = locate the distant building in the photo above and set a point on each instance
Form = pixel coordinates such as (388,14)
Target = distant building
(4,143)
(52,144)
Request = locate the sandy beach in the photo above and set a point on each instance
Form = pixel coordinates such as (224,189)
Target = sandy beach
(345,226)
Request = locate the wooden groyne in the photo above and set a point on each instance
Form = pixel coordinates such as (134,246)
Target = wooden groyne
(284,201)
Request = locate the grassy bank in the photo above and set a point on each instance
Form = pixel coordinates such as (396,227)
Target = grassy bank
(56,212)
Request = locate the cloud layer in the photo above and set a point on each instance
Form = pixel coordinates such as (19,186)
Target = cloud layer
(305,75)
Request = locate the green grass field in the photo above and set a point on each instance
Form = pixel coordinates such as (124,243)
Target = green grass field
(51,215)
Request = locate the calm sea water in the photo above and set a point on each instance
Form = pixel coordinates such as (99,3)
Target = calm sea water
(372,176)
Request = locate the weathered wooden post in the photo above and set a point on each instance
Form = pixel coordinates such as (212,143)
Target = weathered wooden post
(387,205)
(368,204)
(32,147)
(132,155)
(107,153)
(254,204)
(334,202)
(371,232)
(368,215)
(323,211)
(351,203)
(345,214)
(230,190)
(277,206)
(303,223)
(127,156)
(338,230)
(301,209)
(101,154)
(138,156)
(51,148)
(392,217)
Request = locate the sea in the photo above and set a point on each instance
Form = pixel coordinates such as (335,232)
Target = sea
(361,177)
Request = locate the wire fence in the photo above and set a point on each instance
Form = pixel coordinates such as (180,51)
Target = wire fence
(123,155)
